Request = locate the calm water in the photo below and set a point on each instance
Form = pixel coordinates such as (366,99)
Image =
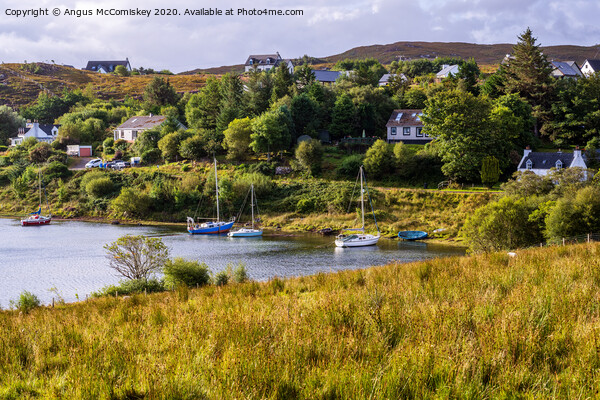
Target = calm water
(69,256)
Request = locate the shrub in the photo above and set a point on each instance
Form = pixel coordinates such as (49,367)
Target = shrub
(265,168)
(310,155)
(131,287)
(4,161)
(151,156)
(99,187)
(222,278)
(185,168)
(132,202)
(239,274)
(350,166)
(56,170)
(27,302)
(40,152)
(187,272)
(379,160)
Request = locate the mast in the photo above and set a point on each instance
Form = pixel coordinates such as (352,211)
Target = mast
(252,203)
(217,189)
(362,199)
(40,184)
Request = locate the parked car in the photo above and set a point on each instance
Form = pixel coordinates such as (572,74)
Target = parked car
(121,164)
(109,164)
(94,163)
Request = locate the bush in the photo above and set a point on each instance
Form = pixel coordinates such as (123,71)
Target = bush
(108,145)
(185,168)
(239,274)
(187,272)
(265,168)
(310,155)
(379,160)
(131,287)
(40,152)
(350,166)
(222,278)
(56,170)
(99,187)
(131,202)
(27,302)
(151,156)
(4,161)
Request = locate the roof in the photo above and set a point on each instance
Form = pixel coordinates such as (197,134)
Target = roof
(264,59)
(405,118)
(565,68)
(449,69)
(143,122)
(108,66)
(47,128)
(542,160)
(36,132)
(595,64)
(326,76)
(386,78)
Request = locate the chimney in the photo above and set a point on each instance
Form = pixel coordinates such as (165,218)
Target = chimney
(576,152)
(526,151)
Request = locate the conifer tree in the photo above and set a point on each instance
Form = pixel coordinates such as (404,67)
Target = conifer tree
(282,83)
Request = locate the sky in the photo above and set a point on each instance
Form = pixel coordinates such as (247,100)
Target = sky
(326,27)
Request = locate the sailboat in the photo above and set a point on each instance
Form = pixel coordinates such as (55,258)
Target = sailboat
(248,232)
(212,227)
(359,239)
(36,218)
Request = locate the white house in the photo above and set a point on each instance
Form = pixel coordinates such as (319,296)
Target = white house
(406,126)
(265,62)
(105,67)
(130,129)
(42,133)
(446,71)
(385,79)
(590,67)
(541,163)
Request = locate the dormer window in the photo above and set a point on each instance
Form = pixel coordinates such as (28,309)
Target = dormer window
(559,164)
(528,164)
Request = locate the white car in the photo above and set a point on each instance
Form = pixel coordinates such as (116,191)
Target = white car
(94,163)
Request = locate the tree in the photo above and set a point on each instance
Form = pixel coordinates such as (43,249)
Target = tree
(282,82)
(310,155)
(304,77)
(137,257)
(578,213)
(159,92)
(404,160)
(122,70)
(528,73)
(169,145)
(258,92)
(379,160)
(193,148)
(10,122)
(231,105)
(203,108)
(304,112)
(146,140)
(468,73)
(237,138)
(271,132)
(40,152)
(343,118)
(490,171)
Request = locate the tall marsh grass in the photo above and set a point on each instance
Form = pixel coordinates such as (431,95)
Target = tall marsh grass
(486,326)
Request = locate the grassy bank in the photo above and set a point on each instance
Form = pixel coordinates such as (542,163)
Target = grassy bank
(486,326)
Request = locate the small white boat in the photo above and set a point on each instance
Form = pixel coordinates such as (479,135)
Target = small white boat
(36,218)
(359,239)
(248,232)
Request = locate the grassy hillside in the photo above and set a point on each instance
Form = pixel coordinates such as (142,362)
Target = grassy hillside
(487,326)
(20,84)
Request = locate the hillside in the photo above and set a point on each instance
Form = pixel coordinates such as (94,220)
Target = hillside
(486,326)
(20,84)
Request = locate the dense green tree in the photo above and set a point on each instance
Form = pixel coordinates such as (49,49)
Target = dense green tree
(343,118)
(283,82)
(490,171)
(192,148)
(304,77)
(40,152)
(146,140)
(305,112)
(404,160)
(137,257)
(271,132)
(309,154)
(203,108)
(468,74)
(414,98)
(10,122)
(169,145)
(493,86)
(577,213)
(231,105)
(84,131)
(379,160)
(528,73)
(47,108)
(258,92)
(122,71)
(158,93)
(237,138)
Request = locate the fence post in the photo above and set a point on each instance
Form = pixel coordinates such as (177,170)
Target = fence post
(116,293)
(563,241)
(53,302)
(588,237)
(541,244)
(145,291)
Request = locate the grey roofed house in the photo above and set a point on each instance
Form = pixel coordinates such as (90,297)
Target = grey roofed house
(107,66)
(324,76)
(446,71)
(41,133)
(130,129)
(265,62)
(566,69)
(541,162)
(385,79)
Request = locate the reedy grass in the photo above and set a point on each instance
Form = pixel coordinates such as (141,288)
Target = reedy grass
(485,326)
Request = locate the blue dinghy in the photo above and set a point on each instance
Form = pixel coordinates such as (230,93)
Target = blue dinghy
(412,235)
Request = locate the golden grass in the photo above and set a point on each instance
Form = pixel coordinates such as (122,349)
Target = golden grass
(487,326)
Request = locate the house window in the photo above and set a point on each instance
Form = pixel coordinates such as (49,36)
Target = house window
(528,164)
(406,131)
(559,164)
(122,134)
(393,131)
(419,133)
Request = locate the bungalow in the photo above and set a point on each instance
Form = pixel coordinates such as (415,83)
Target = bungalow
(105,67)
(42,133)
(265,62)
(447,70)
(385,79)
(590,67)
(566,69)
(326,77)
(130,129)
(406,126)
(541,163)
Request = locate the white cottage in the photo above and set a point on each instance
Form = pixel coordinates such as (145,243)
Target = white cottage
(265,62)
(541,163)
(42,133)
(130,129)
(590,67)
(406,126)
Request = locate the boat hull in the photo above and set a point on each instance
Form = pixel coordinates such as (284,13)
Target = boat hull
(246,233)
(211,228)
(36,221)
(412,235)
(357,241)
